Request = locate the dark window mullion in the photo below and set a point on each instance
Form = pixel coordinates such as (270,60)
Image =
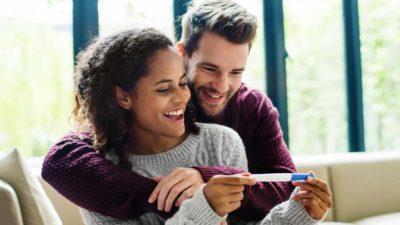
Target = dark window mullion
(180,8)
(353,76)
(275,56)
(85,23)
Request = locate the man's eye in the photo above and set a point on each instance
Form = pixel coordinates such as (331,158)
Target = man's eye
(210,69)
(183,84)
(237,73)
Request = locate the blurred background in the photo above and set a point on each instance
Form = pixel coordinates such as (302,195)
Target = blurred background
(331,67)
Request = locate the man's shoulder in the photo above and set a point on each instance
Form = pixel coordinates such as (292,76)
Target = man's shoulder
(252,100)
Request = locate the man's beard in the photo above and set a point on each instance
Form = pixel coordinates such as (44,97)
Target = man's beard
(201,109)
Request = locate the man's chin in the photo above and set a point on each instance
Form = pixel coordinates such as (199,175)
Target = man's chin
(212,110)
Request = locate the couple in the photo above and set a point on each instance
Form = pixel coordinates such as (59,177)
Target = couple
(132,94)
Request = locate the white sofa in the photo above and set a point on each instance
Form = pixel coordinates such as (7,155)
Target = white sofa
(365,188)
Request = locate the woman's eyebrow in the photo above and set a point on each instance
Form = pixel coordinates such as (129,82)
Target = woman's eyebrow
(169,80)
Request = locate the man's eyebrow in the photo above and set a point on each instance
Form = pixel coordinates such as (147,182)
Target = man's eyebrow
(215,66)
(169,80)
(207,64)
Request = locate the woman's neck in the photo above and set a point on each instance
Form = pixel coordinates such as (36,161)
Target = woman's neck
(146,144)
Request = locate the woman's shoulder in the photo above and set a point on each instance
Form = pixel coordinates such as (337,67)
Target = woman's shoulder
(216,130)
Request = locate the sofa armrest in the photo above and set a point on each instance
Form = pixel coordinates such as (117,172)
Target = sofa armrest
(10,212)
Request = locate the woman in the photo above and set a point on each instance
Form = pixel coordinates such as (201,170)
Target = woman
(132,94)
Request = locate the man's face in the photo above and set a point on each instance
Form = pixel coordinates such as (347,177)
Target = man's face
(215,71)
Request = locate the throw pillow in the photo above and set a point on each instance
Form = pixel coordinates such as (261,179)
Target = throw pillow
(35,206)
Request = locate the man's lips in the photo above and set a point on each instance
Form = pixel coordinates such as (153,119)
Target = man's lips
(212,97)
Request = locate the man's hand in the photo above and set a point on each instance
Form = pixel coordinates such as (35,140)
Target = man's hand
(315,196)
(182,182)
(224,193)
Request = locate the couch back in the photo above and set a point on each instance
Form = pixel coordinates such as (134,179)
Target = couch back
(363,185)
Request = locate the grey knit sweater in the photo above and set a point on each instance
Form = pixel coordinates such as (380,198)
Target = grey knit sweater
(214,145)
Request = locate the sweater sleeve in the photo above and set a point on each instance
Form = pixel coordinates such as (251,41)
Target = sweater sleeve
(258,126)
(286,213)
(195,210)
(80,174)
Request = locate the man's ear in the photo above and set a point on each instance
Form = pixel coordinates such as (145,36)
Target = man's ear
(181,49)
(122,97)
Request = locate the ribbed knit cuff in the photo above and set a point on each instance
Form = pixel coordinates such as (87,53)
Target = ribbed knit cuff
(208,172)
(295,213)
(200,211)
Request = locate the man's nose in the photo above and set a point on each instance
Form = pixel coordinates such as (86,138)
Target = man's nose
(221,83)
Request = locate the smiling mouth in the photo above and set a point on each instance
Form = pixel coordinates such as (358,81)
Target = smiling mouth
(212,95)
(175,115)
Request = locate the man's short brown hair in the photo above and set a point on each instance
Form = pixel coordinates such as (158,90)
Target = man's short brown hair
(223,17)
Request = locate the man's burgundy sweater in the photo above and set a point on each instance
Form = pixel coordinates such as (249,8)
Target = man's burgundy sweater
(74,169)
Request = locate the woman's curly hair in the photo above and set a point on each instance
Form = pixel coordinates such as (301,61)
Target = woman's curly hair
(118,60)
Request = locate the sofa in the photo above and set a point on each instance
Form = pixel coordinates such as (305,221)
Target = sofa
(365,188)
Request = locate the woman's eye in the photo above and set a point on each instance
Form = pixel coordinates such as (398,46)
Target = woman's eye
(164,90)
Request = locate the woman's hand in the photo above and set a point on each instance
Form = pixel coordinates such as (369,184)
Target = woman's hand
(182,182)
(224,193)
(315,196)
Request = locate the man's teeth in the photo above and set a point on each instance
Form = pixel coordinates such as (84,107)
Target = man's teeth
(213,95)
(175,113)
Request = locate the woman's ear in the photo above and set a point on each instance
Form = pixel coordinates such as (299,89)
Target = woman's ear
(122,97)
(181,49)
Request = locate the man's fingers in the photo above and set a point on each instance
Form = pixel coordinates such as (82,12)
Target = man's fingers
(154,194)
(165,186)
(175,192)
(188,193)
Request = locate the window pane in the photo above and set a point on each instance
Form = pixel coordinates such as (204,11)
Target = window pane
(315,76)
(380,31)
(121,15)
(36,73)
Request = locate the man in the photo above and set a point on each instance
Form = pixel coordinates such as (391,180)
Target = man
(216,40)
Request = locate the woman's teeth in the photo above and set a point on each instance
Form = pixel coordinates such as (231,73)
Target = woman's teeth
(174,113)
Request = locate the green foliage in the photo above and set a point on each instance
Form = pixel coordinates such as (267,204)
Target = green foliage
(36,85)
(315,77)
(380,30)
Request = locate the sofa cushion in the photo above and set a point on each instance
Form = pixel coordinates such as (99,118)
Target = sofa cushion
(386,219)
(10,213)
(365,185)
(35,206)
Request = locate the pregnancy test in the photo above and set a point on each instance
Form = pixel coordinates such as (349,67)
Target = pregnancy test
(281,177)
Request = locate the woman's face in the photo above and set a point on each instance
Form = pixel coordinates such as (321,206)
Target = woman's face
(159,99)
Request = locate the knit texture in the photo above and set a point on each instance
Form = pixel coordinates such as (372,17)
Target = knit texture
(214,145)
(75,170)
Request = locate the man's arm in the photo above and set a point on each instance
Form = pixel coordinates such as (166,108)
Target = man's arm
(266,151)
(84,177)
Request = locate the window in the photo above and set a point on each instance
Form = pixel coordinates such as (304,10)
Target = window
(36,73)
(116,16)
(380,53)
(315,76)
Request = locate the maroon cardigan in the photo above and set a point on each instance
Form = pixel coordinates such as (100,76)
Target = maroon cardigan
(75,170)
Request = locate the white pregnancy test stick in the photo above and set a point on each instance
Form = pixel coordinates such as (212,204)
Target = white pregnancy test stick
(281,177)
